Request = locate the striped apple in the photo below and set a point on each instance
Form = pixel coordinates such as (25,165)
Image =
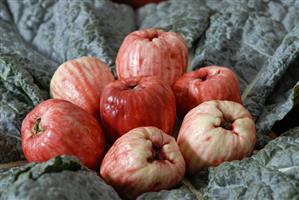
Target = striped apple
(143,160)
(135,102)
(214,132)
(57,127)
(205,84)
(152,52)
(81,82)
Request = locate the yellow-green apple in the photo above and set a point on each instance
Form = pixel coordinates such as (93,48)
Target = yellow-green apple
(143,160)
(214,132)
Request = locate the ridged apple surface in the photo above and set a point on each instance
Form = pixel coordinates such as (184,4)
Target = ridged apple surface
(205,84)
(58,127)
(214,132)
(143,160)
(134,102)
(152,52)
(81,82)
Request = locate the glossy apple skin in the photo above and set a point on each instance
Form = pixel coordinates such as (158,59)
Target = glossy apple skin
(205,141)
(205,84)
(134,102)
(145,159)
(81,82)
(64,129)
(152,52)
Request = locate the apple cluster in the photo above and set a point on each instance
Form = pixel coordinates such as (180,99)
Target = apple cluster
(125,128)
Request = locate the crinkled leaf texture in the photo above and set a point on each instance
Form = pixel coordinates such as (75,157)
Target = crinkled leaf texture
(175,194)
(10,148)
(24,80)
(59,178)
(187,17)
(275,90)
(67,29)
(270,174)
(18,95)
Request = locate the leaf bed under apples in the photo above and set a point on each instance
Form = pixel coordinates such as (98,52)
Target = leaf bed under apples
(240,38)
(137,113)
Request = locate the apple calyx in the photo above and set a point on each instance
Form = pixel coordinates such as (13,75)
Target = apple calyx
(157,154)
(227,124)
(37,127)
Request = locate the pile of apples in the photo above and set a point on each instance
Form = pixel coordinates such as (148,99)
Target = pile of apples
(125,127)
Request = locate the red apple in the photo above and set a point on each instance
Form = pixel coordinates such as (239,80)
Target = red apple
(134,102)
(143,160)
(58,127)
(205,84)
(214,132)
(81,82)
(152,52)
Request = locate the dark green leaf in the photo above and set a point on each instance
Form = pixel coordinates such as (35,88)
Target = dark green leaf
(187,17)
(64,30)
(281,70)
(174,194)
(59,178)
(37,65)
(270,174)
(10,148)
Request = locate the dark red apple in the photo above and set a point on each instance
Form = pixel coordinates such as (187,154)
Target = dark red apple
(143,160)
(214,132)
(152,52)
(134,102)
(58,127)
(81,82)
(205,84)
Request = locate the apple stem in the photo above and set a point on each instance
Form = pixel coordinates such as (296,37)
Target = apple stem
(152,37)
(37,128)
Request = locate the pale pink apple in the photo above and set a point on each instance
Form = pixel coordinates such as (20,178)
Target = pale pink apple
(143,160)
(81,82)
(214,132)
